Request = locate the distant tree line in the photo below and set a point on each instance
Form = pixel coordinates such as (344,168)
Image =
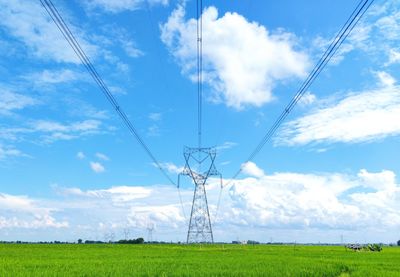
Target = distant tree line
(370,247)
(122,241)
(35,242)
(131,241)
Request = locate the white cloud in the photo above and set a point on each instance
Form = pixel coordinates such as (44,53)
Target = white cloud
(252,169)
(154,129)
(116,194)
(394,57)
(307,99)
(167,214)
(10,151)
(23,212)
(54,76)
(28,22)
(333,203)
(97,167)
(116,6)
(83,109)
(243,61)
(131,49)
(155,116)
(80,155)
(357,117)
(117,90)
(53,131)
(102,156)
(133,207)
(10,101)
(171,167)
(376,35)
(385,180)
(389,25)
(121,38)
(385,79)
(226,145)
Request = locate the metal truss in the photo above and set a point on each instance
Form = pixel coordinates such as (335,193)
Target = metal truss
(199,230)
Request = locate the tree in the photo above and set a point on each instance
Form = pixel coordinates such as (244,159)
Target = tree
(398,243)
(79,241)
(139,240)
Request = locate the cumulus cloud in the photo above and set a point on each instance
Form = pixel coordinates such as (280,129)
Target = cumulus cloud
(28,22)
(252,169)
(132,207)
(243,61)
(97,167)
(23,212)
(327,201)
(345,120)
(384,180)
(356,203)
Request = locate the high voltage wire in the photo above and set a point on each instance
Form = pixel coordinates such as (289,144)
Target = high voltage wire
(199,27)
(346,29)
(68,35)
(351,22)
(343,33)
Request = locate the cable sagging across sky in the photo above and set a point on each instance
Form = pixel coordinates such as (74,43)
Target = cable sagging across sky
(68,35)
(341,36)
(199,28)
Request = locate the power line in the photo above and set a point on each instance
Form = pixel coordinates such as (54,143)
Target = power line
(346,29)
(68,35)
(199,27)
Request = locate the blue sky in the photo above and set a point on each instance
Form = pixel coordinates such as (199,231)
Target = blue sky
(69,168)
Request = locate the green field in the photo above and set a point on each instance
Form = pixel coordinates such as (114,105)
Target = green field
(194,260)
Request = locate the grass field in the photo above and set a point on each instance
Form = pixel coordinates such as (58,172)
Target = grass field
(194,260)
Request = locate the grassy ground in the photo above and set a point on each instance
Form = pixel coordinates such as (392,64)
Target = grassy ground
(196,260)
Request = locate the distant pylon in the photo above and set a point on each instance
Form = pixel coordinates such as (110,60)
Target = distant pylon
(199,230)
(150,228)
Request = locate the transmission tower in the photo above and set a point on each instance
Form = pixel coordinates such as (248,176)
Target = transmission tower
(199,230)
(150,228)
(196,159)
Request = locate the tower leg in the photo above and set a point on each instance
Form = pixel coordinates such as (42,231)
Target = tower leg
(200,224)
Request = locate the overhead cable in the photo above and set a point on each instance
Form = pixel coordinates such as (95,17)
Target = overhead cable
(68,35)
(341,36)
(199,27)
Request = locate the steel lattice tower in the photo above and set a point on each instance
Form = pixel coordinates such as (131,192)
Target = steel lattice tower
(199,158)
(200,230)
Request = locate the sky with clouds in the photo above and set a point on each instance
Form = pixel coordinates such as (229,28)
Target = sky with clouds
(70,169)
